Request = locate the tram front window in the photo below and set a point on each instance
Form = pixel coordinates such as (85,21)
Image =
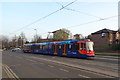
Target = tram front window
(89,46)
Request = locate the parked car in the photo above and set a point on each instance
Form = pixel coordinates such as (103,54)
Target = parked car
(16,49)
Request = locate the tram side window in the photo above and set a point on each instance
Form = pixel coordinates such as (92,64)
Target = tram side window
(50,46)
(53,47)
(28,47)
(82,46)
(60,47)
(43,47)
(46,47)
(37,47)
(69,46)
(76,46)
(40,46)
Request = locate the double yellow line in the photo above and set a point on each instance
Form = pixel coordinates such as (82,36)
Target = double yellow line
(10,73)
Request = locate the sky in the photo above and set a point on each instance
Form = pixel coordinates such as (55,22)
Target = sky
(87,17)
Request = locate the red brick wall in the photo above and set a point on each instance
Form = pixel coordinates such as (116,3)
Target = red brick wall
(99,41)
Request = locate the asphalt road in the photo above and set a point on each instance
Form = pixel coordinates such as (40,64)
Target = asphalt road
(27,65)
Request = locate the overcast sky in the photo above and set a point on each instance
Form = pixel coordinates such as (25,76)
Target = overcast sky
(86,18)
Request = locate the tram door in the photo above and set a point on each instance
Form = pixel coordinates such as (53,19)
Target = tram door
(60,49)
(54,49)
(63,49)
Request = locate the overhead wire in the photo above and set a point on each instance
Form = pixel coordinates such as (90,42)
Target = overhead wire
(94,21)
(83,13)
(91,22)
(100,19)
(64,7)
(44,17)
(78,11)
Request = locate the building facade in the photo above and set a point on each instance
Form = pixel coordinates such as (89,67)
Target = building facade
(60,35)
(105,37)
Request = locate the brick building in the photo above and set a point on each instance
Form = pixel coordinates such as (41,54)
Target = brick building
(105,37)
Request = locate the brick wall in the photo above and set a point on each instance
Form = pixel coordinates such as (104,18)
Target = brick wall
(99,41)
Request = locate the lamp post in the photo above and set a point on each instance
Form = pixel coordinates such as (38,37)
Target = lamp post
(36,31)
(36,37)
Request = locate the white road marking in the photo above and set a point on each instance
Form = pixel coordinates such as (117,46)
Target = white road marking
(50,66)
(83,76)
(64,70)
(31,60)
(10,73)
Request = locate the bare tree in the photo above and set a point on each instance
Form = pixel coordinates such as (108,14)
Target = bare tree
(4,40)
(21,40)
(13,43)
(37,38)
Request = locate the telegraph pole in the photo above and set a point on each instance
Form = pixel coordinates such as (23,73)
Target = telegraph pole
(48,34)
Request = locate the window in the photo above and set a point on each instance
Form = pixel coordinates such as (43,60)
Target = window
(40,46)
(37,46)
(82,46)
(75,46)
(60,46)
(89,46)
(43,47)
(50,46)
(46,46)
(103,35)
(70,46)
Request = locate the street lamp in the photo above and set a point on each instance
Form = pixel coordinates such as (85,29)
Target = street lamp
(36,31)
(36,35)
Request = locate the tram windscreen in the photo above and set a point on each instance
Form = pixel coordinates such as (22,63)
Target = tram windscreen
(89,46)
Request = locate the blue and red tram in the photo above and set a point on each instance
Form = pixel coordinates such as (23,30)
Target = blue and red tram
(71,48)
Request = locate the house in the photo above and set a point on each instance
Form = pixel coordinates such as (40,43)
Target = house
(105,37)
(60,35)
(78,36)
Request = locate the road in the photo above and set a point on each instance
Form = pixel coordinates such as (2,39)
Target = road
(27,65)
